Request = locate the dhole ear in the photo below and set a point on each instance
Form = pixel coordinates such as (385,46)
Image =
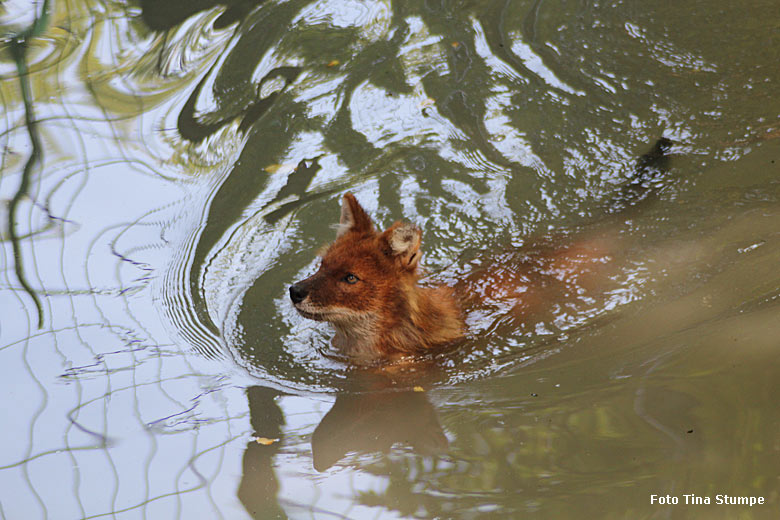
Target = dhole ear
(402,240)
(353,216)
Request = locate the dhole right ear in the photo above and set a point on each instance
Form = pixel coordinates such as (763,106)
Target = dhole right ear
(402,241)
(353,216)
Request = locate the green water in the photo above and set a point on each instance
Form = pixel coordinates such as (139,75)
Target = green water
(170,168)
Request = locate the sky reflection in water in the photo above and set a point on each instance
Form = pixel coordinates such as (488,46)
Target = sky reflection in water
(190,160)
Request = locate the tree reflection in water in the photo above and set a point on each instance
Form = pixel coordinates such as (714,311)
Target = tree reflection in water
(192,156)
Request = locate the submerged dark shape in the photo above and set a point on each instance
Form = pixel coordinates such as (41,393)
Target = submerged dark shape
(655,162)
(646,179)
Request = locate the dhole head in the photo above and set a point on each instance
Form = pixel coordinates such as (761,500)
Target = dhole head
(363,276)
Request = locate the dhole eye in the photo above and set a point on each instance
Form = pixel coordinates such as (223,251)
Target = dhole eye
(351,278)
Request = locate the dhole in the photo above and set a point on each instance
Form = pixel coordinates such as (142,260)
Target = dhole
(367,283)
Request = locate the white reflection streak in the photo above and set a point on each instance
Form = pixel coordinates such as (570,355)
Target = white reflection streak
(666,53)
(371,18)
(535,64)
(498,65)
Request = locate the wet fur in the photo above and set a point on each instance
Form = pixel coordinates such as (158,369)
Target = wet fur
(385,314)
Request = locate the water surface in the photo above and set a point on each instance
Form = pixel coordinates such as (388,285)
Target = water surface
(169,168)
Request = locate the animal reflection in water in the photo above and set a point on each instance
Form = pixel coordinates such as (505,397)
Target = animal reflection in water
(368,421)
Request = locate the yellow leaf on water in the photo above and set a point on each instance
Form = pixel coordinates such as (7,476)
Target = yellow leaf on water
(265,441)
(333,63)
(281,168)
(418,389)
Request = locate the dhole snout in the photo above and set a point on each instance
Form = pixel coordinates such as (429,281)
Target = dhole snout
(307,297)
(299,291)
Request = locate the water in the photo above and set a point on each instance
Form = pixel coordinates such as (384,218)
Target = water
(187,162)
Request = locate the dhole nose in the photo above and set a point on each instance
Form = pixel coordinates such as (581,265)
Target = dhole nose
(297,293)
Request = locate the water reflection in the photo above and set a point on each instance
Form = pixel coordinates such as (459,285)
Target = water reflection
(18,46)
(376,415)
(192,155)
(259,485)
(375,420)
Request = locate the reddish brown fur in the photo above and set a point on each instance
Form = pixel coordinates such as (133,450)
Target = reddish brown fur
(533,278)
(385,314)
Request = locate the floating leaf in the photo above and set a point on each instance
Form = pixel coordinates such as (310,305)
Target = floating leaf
(265,441)
(281,168)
